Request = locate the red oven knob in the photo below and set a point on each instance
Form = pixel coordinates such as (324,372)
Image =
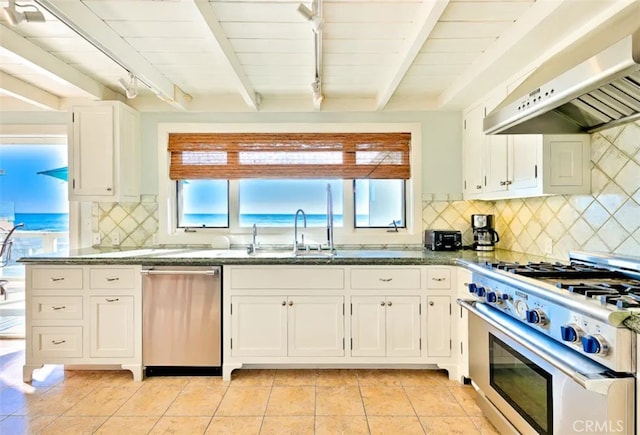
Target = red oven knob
(595,344)
(536,316)
(571,333)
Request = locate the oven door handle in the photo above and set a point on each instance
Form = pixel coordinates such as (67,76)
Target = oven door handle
(597,383)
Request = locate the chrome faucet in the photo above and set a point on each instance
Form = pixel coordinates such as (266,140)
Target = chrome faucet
(251,249)
(295,230)
(330,220)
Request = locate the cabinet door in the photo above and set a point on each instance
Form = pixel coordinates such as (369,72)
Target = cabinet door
(259,326)
(403,326)
(368,325)
(496,157)
(316,326)
(473,140)
(524,150)
(567,163)
(92,151)
(112,329)
(438,326)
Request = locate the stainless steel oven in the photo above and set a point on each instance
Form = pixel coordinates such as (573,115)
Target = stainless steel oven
(528,383)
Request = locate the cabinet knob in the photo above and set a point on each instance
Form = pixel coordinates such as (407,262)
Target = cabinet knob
(283,303)
(431,303)
(389,303)
(290,303)
(509,182)
(108,189)
(478,186)
(382,304)
(503,183)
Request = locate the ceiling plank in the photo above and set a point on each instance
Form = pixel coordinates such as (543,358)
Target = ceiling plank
(28,93)
(83,21)
(245,87)
(40,60)
(431,12)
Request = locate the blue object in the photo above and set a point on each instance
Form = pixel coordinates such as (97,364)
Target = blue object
(532,316)
(473,288)
(590,344)
(568,333)
(481,291)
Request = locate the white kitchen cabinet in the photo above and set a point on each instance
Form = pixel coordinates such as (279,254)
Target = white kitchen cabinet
(439,326)
(473,150)
(385,326)
(83,315)
(518,166)
(104,152)
(287,325)
(112,326)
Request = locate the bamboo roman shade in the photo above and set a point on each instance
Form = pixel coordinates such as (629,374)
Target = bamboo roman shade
(289,155)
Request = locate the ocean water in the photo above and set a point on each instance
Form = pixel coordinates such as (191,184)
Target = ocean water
(261,220)
(43,221)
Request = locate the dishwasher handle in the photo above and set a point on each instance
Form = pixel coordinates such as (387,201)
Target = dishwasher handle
(212,272)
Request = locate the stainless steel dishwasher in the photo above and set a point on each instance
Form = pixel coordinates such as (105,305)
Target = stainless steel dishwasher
(181,320)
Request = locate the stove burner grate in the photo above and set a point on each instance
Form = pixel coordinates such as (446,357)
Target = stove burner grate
(553,270)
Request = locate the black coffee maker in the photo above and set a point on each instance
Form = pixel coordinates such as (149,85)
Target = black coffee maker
(485,236)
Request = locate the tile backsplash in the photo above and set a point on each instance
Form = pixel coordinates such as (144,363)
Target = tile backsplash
(607,220)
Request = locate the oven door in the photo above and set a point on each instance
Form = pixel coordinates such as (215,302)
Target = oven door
(530,384)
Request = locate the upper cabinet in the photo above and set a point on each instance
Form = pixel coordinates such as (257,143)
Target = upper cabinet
(517,166)
(104,152)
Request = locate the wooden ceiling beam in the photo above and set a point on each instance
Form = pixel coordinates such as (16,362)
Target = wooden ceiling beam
(430,13)
(249,95)
(42,61)
(77,16)
(28,93)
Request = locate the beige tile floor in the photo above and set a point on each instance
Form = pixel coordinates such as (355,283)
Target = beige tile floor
(254,402)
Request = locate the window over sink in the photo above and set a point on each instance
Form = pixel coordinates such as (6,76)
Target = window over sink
(223,183)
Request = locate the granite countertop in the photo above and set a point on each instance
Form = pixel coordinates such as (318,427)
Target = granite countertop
(193,256)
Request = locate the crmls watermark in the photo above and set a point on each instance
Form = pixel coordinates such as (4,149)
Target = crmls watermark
(598,426)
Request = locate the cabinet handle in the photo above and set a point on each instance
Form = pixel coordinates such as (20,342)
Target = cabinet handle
(57,279)
(108,189)
(509,182)
(59,308)
(389,304)
(290,303)
(58,342)
(382,304)
(478,186)
(113,279)
(283,303)
(112,300)
(431,303)
(438,279)
(503,183)
(385,279)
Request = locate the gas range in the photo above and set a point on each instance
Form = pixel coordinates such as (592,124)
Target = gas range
(581,304)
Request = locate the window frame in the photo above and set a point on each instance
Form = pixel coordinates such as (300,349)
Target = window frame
(169,234)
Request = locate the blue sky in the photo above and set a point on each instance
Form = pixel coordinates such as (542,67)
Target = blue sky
(20,184)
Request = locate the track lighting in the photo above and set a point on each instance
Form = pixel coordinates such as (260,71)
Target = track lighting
(131,87)
(311,15)
(15,17)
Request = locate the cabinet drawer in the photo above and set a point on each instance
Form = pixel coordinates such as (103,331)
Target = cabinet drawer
(63,341)
(299,278)
(439,278)
(59,307)
(56,278)
(385,278)
(112,278)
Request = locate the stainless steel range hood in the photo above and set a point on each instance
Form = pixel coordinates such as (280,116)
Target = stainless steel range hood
(598,93)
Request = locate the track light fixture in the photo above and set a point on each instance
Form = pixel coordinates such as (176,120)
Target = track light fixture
(311,15)
(15,17)
(130,87)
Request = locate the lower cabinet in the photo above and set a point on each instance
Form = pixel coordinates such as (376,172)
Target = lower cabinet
(83,315)
(385,326)
(287,326)
(112,329)
(439,326)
